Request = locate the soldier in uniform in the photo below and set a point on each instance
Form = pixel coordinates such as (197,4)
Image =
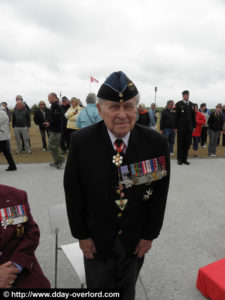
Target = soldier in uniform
(184,126)
(116,182)
(19,234)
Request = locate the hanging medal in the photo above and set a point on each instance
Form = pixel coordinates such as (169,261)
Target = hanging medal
(118,159)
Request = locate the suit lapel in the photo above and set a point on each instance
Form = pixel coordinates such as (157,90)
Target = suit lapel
(105,141)
(131,149)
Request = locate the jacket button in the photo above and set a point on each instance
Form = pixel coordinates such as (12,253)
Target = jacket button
(31,265)
(7,201)
(1,253)
(119,215)
(120,232)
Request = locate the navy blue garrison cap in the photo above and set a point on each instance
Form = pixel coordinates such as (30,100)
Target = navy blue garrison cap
(117,87)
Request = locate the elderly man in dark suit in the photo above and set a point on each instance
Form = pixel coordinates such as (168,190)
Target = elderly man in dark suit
(19,233)
(116,182)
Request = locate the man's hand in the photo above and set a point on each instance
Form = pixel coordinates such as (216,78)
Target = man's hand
(8,274)
(143,247)
(75,112)
(88,248)
(46,124)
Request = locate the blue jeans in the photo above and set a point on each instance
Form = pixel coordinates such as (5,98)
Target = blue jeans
(170,134)
(196,140)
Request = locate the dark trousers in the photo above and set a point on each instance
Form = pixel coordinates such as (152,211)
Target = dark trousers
(43,131)
(170,134)
(223,139)
(119,272)
(65,139)
(5,150)
(204,135)
(183,145)
(196,140)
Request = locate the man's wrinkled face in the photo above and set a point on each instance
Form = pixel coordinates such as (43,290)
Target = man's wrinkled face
(119,118)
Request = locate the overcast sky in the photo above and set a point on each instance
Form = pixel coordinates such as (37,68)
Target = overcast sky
(56,45)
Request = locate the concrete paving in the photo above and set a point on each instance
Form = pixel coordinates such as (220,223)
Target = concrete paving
(192,235)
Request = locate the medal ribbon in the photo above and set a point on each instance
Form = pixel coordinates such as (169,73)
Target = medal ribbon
(121,147)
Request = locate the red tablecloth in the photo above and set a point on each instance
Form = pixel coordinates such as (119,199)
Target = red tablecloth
(211,280)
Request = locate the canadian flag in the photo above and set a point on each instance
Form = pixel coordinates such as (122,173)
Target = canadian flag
(93,79)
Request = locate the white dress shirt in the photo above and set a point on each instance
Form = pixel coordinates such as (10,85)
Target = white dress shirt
(113,138)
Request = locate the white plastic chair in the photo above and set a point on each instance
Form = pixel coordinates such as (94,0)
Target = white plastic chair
(76,258)
(59,220)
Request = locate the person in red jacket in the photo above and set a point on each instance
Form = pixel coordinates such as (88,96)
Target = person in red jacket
(196,134)
(19,234)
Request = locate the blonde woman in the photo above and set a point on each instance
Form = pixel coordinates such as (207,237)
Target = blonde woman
(72,115)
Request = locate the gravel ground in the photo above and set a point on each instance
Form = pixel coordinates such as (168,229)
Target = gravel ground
(192,235)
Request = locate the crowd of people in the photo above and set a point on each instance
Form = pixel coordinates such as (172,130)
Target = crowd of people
(56,124)
(192,125)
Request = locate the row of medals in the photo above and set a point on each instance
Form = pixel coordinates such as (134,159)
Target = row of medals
(13,221)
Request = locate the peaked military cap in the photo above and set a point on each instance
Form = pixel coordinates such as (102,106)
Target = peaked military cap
(117,87)
(185,92)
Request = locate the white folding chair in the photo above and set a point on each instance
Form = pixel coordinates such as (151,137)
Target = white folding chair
(76,258)
(59,220)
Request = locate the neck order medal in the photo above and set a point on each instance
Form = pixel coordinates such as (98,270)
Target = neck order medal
(118,159)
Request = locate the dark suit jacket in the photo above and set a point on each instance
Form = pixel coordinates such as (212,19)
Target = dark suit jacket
(20,249)
(184,116)
(90,182)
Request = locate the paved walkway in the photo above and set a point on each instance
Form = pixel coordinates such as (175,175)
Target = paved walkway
(192,235)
